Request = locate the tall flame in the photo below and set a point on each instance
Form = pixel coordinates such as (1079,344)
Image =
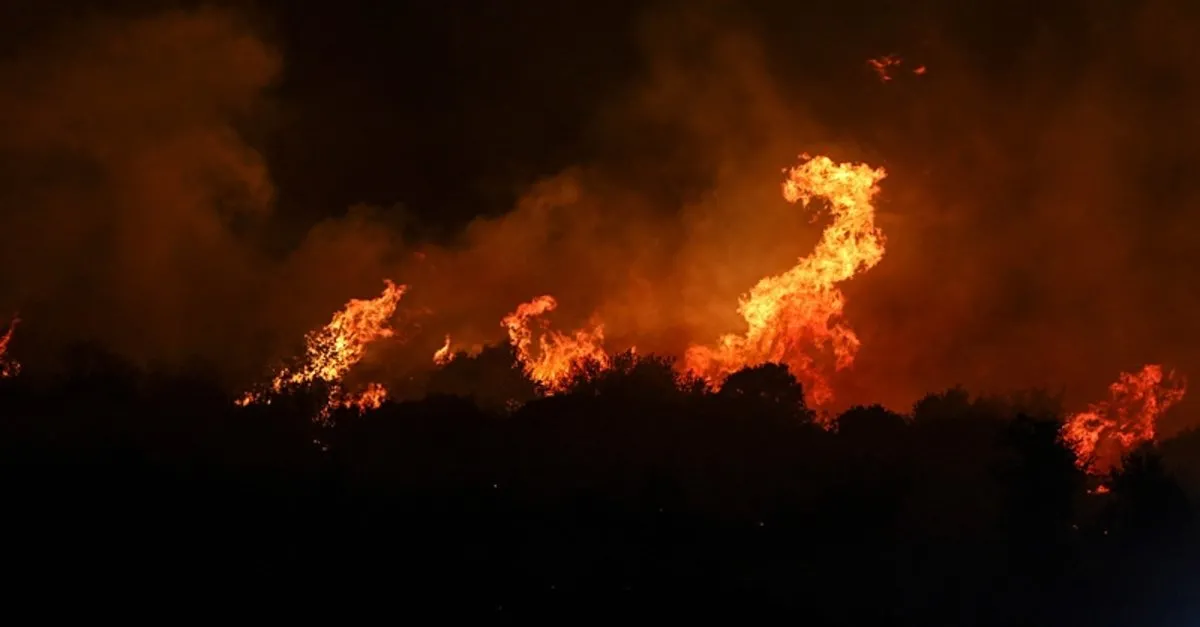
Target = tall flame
(1108,429)
(9,367)
(443,356)
(557,353)
(791,315)
(331,351)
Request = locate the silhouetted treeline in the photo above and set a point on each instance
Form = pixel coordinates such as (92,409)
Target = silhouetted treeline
(637,491)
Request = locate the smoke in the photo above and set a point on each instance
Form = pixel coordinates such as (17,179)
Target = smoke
(1047,206)
(679,212)
(125,180)
(135,212)
(1037,210)
(1037,213)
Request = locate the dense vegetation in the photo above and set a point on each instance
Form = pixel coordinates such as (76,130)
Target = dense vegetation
(635,491)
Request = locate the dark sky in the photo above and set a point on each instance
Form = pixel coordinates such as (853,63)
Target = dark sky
(452,108)
(460,105)
(448,107)
(390,100)
(443,105)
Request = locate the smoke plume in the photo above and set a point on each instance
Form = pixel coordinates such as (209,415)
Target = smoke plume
(126,181)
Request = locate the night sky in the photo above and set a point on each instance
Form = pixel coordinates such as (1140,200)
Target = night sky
(452,109)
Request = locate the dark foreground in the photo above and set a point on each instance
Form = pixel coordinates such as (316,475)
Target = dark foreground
(633,494)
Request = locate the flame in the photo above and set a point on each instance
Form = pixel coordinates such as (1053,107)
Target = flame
(371,397)
(9,367)
(801,309)
(557,353)
(443,356)
(334,349)
(883,66)
(1108,429)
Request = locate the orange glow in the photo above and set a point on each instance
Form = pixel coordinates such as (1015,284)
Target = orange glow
(9,367)
(557,353)
(1108,429)
(443,356)
(883,66)
(334,349)
(792,315)
(371,397)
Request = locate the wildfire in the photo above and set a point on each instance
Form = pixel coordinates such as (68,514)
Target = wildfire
(371,397)
(443,356)
(791,314)
(557,353)
(9,367)
(332,350)
(1108,429)
(885,65)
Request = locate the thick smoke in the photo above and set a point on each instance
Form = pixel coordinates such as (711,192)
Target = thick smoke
(126,180)
(1045,200)
(1037,208)
(658,236)
(134,209)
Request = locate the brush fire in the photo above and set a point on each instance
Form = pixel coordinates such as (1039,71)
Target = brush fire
(795,318)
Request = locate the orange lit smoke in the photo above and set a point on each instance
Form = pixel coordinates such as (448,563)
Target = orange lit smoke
(334,349)
(557,354)
(1108,429)
(793,315)
(443,356)
(9,367)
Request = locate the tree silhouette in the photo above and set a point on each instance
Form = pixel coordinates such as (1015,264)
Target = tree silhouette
(952,404)
(872,423)
(490,378)
(1147,501)
(636,489)
(630,377)
(767,389)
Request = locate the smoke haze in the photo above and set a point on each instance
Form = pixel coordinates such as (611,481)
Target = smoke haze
(1039,208)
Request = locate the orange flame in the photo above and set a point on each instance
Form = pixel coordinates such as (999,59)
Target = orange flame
(9,367)
(443,356)
(1108,429)
(801,309)
(371,397)
(883,66)
(557,353)
(334,349)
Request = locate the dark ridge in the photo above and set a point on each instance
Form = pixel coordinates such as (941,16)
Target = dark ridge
(634,492)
